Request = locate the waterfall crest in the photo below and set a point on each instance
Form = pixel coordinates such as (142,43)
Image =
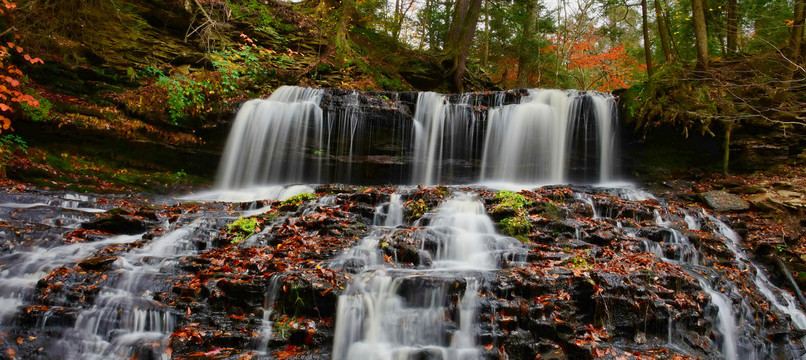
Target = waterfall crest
(537,136)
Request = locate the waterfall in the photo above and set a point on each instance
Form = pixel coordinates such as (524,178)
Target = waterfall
(539,139)
(390,313)
(532,137)
(269,138)
(428,135)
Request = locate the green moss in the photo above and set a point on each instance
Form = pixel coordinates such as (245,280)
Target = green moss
(517,227)
(549,210)
(579,263)
(242,229)
(298,199)
(509,199)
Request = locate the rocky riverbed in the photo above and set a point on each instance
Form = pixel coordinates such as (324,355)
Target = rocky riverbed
(586,272)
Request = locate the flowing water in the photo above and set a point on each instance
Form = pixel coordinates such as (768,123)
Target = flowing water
(545,137)
(389,313)
(429,307)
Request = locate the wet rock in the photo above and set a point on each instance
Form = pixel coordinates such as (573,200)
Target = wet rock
(98,262)
(722,201)
(765,202)
(749,189)
(118,224)
(246,292)
(789,194)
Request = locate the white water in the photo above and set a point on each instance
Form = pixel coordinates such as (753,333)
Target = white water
(269,139)
(733,346)
(23,269)
(533,141)
(549,138)
(726,323)
(124,319)
(390,214)
(380,316)
(781,300)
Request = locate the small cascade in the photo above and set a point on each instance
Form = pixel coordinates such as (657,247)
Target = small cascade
(735,344)
(23,269)
(124,320)
(388,313)
(774,294)
(725,321)
(447,136)
(428,134)
(345,133)
(687,254)
(269,139)
(390,214)
(272,290)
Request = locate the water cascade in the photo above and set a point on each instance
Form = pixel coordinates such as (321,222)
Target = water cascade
(734,344)
(268,138)
(325,136)
(388,313)
(124,320)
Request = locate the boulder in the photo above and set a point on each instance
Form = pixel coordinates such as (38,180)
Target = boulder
(722,201)
(97,263)
(118,224)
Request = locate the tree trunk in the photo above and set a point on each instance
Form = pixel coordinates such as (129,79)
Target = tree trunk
(700,33)
(486,58)
(647,46)
(662,32)
(733,28)
(396,20)
(796,37)
(525,58)
(672,42)
(347,17)
(460,37)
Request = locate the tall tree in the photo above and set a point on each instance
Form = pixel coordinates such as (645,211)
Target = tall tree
(663,32)
(347,17)
(486,59)
(733,27)
(645,30)
(525,59)
(460,37)
(700,33)
(796,37)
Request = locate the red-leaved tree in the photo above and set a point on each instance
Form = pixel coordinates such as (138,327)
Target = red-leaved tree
(10,76)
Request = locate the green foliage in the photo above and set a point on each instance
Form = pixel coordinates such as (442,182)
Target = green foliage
(242,229)
(549,210)
(517,227)
(262,19)
(416,208)
(298,199)
(579,263)
(235,63)
(9,143)
(38,113)
(185,96)
(509,199)
(180,175)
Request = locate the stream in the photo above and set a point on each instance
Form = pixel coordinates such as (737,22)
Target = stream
(534,250)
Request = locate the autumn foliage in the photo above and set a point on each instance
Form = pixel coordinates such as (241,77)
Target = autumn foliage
(595,67)
(10,75)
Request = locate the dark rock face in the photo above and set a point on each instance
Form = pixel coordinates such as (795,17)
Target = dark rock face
(119,224)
